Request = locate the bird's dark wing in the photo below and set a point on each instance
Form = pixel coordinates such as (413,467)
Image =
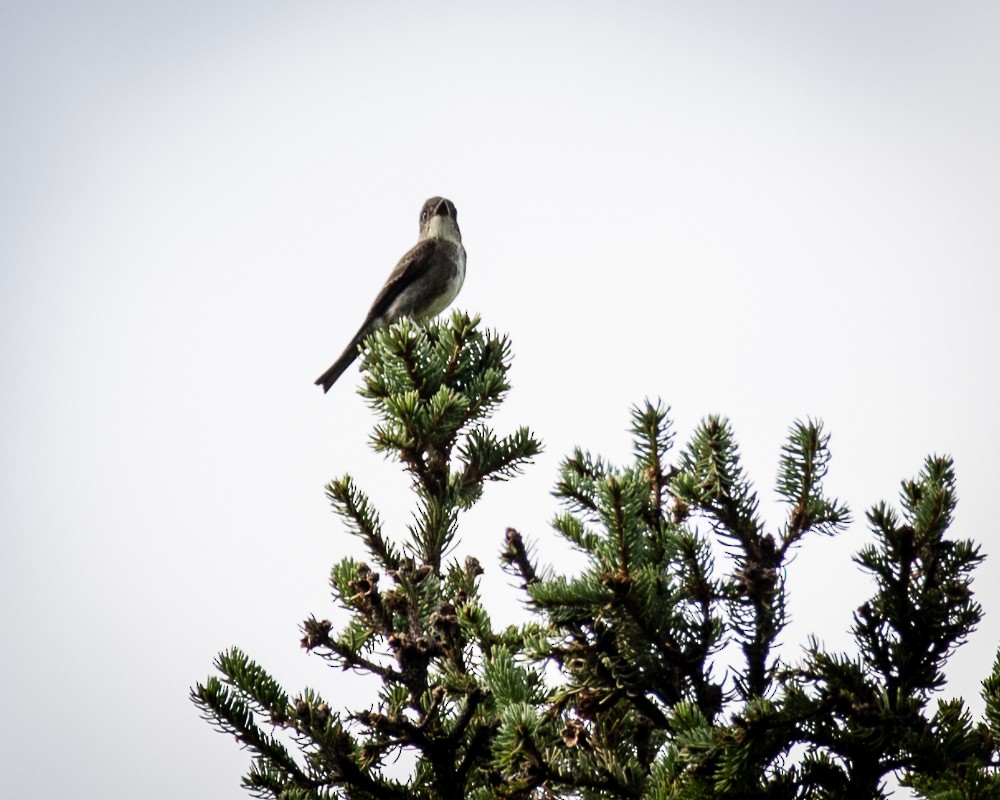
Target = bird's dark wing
(411,267)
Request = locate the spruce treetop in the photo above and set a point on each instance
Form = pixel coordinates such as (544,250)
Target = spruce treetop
(653,671)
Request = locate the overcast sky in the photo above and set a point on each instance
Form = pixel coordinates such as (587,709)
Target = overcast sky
(764,210)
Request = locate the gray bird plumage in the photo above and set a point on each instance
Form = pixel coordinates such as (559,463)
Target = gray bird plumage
(423,284)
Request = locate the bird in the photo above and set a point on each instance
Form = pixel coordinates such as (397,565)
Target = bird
(423,284)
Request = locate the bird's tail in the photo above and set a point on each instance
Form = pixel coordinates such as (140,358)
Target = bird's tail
(328,378)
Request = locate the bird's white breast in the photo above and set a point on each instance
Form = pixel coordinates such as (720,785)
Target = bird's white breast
(455,280)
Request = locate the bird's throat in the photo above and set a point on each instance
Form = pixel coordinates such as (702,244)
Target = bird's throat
(442,227)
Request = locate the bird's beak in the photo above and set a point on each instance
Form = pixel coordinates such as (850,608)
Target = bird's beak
(442,208)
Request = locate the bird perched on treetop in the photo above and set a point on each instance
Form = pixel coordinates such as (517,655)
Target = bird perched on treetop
(423,284)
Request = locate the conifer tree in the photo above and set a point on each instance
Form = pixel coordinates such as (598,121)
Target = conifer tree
(638,635)
(652,672)
(416,619)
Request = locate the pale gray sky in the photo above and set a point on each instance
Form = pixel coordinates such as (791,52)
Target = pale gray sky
(767,210)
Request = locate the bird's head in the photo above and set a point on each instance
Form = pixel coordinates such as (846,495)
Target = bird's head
(439,219)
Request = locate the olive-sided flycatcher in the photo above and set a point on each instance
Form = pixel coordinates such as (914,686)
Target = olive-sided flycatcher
(423,284)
